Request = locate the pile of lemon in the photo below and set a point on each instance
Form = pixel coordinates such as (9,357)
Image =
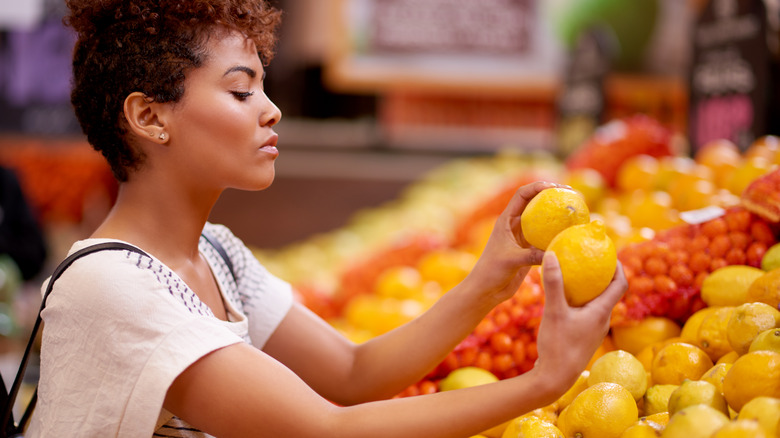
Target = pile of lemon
(717,376)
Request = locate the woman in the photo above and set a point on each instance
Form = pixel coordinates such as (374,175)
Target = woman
(169,344)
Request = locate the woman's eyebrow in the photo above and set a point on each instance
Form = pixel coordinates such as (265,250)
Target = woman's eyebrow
(249,71)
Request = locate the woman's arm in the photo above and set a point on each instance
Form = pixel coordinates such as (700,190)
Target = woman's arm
(240,391)
(384,366)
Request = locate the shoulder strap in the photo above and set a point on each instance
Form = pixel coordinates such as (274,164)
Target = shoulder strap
(221,250)
(8,425)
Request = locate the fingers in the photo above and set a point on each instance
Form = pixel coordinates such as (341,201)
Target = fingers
(531,257)
(524,194)
(553,281)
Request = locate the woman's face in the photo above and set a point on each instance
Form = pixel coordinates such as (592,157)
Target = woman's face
(222,126)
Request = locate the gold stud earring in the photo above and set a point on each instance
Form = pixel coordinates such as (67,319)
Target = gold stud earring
(162,136)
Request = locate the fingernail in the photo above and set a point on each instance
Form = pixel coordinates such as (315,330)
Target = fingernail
(550,259)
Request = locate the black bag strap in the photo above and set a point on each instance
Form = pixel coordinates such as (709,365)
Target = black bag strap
(9,428)
(221,250)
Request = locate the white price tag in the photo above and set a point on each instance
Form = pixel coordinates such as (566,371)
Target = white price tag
(702,215)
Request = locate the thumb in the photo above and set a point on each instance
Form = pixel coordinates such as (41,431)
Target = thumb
(552,279)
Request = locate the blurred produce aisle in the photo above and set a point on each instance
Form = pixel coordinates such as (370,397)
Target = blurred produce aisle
(694,234)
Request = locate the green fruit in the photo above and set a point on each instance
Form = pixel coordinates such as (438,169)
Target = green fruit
(771,259)
(10,279)
(631,22)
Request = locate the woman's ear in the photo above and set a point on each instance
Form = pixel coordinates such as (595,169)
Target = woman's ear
(142,117)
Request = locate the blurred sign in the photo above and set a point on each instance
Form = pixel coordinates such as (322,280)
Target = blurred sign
(20,14)
(730,82)
(499,46)
(497,26)
(35,72)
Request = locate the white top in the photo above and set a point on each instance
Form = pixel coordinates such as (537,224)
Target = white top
(120,327)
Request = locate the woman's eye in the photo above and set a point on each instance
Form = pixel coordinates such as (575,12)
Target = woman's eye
(242,95)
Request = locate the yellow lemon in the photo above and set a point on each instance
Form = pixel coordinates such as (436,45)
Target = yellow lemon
(590,183)
(713,333)
(753,375)
(660,418)
(447,267)
(697,421)
(634,337)
(620,367)
(695,392)
(729,357)
(679,361)
(766,289)
(657,399)
(579,385)
(766,340)
(588,259)
(690,330)
(741,429)
(771,258)
(647,427)
(640,430)
(466,377)
(550,212)
(531,427)
(716,374)
(728,286)
(603,410)
(749,170)
(646,357)
(747,321)
(764,410)
(399,282)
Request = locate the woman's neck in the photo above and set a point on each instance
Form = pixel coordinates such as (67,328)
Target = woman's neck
(163,219)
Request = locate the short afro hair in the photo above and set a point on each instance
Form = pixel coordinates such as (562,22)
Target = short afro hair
(147,46)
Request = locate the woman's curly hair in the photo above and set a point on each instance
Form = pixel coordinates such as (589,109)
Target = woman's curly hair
(125,46)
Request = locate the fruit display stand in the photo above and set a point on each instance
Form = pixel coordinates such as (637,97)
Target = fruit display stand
(697,238)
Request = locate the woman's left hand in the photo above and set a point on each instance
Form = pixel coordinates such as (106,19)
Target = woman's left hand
(508,257)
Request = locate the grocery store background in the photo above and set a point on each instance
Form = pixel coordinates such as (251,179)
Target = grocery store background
(359,123)
(376,94)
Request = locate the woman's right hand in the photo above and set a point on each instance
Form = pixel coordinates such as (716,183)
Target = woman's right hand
(569,336)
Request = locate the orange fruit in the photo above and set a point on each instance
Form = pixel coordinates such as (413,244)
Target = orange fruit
(767,147)
(550,212)
(638,173)
(722,156)
(588,260)
(692,194)
(635,337)
(447,267)
(651,209)
(765,289)
(754,374)
(679,361)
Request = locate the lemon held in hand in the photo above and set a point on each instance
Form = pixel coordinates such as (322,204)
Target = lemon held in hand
(550,212)
(588,260)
